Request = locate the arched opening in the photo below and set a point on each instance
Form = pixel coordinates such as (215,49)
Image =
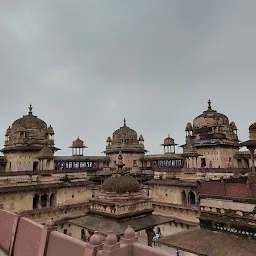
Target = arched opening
(35,201)
(83,236)
(184,197)
(52,200)
(44,200)
(192,198)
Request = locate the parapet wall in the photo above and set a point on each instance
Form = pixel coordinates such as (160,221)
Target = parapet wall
(20,236)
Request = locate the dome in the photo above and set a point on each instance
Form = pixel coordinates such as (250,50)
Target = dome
(125,132)
(96,239)
(209,118)
(189,127)
(29,122)
(78,143)
(252,127)
(233,126)
(141,138)
(121,184)
(111,239)
(8,131)
(168,141)
(50,130)
(129,233)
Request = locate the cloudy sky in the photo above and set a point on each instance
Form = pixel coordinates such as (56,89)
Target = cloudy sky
(85,65)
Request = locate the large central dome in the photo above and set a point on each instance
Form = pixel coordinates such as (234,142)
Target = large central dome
(210,118)
(29,122)
(125,133)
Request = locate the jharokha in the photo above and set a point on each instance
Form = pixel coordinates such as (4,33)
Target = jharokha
(199,202)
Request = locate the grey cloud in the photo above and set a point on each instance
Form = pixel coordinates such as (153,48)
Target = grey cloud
(85,65)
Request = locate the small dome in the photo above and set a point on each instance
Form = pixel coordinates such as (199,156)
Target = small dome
(168,141)
(96,239)
(141,138)
(233,126)
(45,152)
(252,127)
(8,131)
(189,127)
(50,130)
(111,239)
(121,184)
(108,139)
(78,143)
(129,233)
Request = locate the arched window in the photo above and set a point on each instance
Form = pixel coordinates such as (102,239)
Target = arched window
(52,200)
(191,198)
(35,201)
(44,200)
(184,197)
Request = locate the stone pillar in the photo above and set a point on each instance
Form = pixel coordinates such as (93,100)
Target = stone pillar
(149,232)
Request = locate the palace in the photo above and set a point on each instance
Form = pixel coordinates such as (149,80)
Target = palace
(127,183)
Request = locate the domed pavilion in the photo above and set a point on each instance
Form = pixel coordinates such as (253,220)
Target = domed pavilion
(120,203)
(24,140)
(126,140)
(212,138)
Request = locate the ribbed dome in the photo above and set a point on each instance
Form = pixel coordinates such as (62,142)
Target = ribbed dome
(78,143)
(125,132)
(210,118)
(121,184)
(29,122)
(168,141)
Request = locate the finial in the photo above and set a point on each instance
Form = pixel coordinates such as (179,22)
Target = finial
(124,122)
(209,105)
(30,109)
(168,135)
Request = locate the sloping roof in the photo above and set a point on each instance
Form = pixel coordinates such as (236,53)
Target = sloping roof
(104,225)
(211,243)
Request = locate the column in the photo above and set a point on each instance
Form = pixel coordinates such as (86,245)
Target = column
(149,232)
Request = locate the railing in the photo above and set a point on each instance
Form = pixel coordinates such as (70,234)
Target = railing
(53,208)
(63,171)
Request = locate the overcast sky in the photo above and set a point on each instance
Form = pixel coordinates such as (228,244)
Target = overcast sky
(85,65)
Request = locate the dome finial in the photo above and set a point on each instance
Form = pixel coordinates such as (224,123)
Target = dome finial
(209,105)
(124,122)
(30,109)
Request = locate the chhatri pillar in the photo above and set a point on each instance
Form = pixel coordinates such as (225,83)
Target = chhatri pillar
(251,144)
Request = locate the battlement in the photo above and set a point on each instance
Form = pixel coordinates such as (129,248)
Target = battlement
(21,236)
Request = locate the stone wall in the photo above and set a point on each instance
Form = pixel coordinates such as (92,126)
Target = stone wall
(20,201)
(21,161)
(218,155)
